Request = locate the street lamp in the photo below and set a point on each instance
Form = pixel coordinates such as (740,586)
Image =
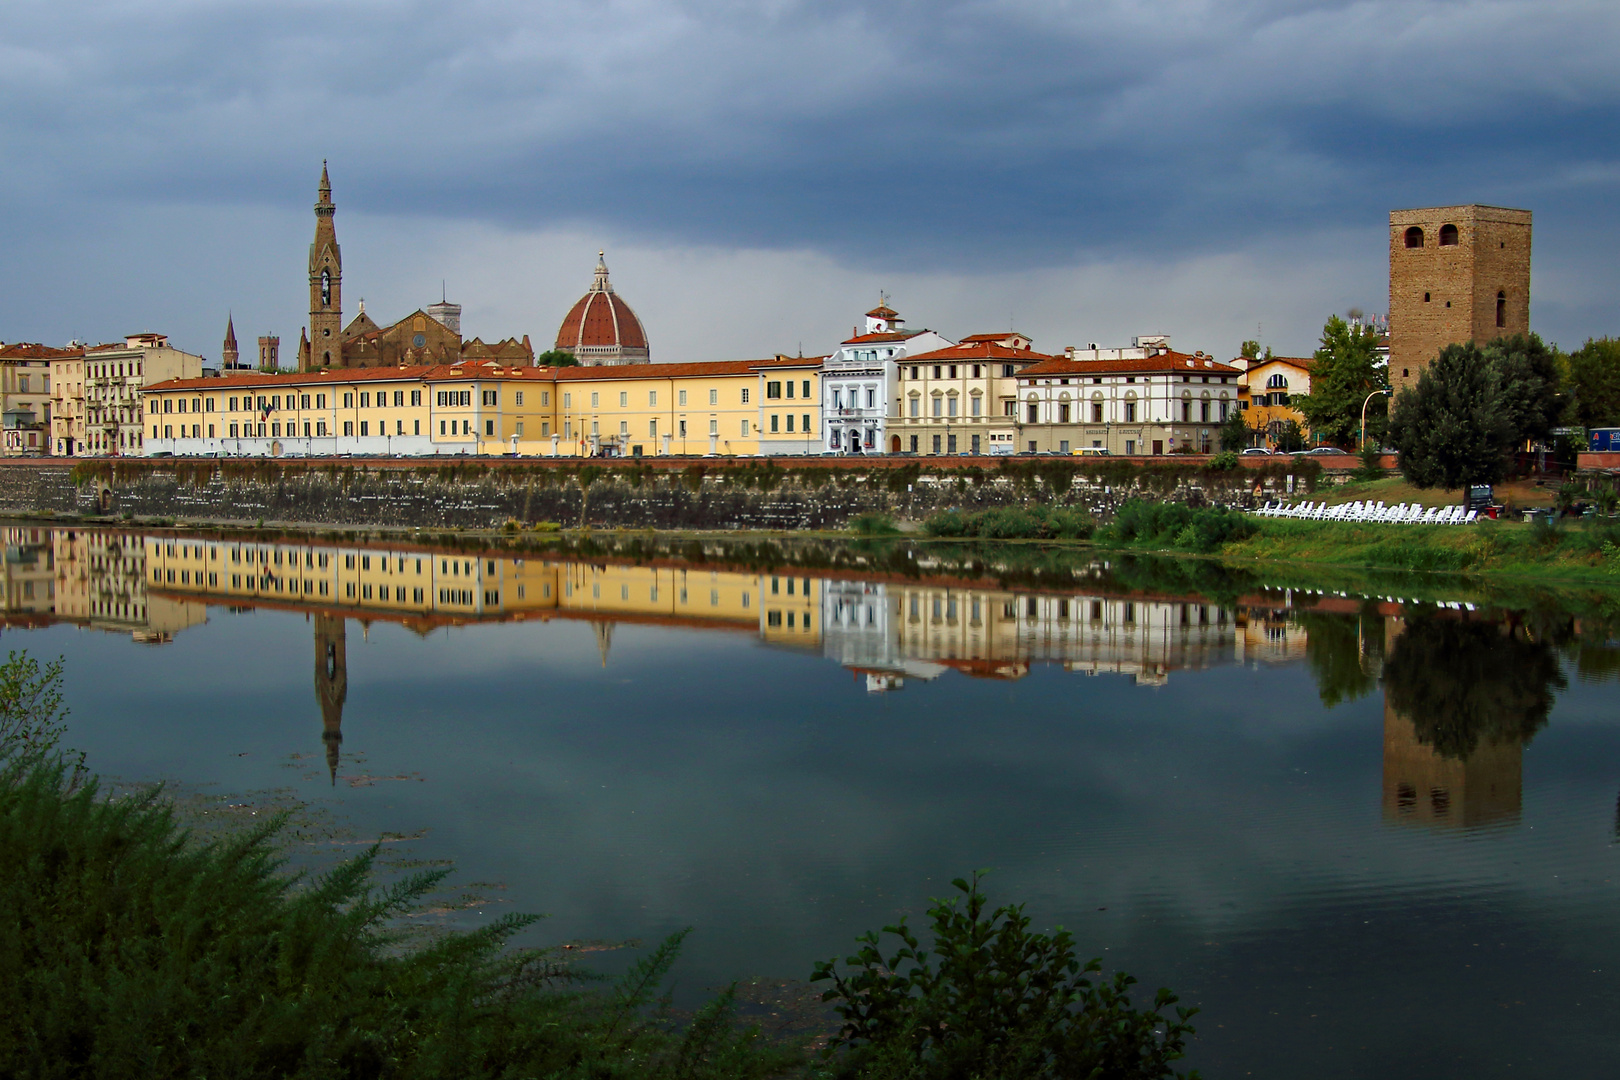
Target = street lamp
(1370,396)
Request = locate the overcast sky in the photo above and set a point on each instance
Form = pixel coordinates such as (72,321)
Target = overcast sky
(1082,170)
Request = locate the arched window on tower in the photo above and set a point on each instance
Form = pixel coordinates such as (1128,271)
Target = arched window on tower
(326,288)
(1448,236)
(1414,237)
(1501,308)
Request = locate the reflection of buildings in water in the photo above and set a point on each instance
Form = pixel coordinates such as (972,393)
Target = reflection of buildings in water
(331,683)
(29,574)
(898,630)
(90,577)
(1422,786)
(1425,787)
(1269,635)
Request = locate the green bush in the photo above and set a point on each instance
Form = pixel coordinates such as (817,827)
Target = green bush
(873,523)
(1225,461)
(1039,522)
(989,998)
(1169,524)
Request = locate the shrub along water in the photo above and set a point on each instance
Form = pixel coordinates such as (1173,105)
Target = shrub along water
(1038,522)
(1165,524)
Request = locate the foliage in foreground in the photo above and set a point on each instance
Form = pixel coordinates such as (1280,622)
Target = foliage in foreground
(131,951)
(991,998)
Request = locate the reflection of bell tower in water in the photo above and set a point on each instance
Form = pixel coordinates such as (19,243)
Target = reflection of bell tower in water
(331,684)
(1425,787)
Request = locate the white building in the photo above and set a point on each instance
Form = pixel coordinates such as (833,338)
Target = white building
(860,383)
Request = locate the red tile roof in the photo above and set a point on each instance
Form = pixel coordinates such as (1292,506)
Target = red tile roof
(995,337)
(1304,363)
(883,311)
(980,349)
(601,319)
(897,335)
(24,350)
(1168,363)
(485,370)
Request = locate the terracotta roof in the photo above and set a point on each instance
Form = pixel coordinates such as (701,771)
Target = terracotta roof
(24,350)
(995,337)
(486,370)
(1168,363)
(254,379)
(601,320)
(897,335)
(1304,363)
(883,311)
(971,349)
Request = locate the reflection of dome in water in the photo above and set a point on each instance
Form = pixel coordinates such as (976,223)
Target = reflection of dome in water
(601,328)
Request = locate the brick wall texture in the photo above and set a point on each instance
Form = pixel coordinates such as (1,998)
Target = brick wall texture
(1446,293)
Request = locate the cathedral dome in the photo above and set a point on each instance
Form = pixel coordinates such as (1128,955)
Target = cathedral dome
(601,328)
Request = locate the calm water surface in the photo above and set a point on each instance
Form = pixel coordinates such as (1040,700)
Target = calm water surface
(1364,837)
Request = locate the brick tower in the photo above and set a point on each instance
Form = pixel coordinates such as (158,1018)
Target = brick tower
(1456,274)
(228,353)
(325,285)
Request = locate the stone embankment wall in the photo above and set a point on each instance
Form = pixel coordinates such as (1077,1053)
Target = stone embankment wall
(476,497)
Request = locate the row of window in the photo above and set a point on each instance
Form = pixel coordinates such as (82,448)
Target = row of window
(1008,371)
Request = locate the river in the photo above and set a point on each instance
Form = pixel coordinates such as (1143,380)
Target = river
(1363,835)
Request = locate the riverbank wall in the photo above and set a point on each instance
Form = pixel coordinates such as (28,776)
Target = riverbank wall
(704,495)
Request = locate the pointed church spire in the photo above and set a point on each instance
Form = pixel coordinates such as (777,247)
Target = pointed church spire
(228,353)
(325,190)
(601,282)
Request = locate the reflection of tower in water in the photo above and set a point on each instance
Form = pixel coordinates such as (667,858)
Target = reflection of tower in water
(604,638)
(331,683)
(1423,786)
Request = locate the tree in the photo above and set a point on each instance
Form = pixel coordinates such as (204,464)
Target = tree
(1594,383)
(556,358)
(1234,432)
(1452,430)
(1345,371)
(1290,437)
(1531,384)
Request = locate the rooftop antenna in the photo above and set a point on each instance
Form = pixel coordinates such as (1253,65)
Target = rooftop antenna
(444,293)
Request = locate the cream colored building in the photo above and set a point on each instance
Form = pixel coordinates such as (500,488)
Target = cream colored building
(113,381)
(963,398)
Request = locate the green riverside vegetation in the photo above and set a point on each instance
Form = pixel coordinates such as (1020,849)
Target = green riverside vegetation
(132,948)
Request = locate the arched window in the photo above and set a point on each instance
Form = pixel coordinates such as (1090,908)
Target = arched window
(326,288)
(1414,237)
(1448,236)
(1501,308)
(1277,382)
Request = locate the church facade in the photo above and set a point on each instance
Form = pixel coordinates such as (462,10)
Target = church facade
(430,335)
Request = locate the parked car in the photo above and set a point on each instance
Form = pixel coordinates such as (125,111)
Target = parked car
(1323,451)
(1091,451)
(1256,450)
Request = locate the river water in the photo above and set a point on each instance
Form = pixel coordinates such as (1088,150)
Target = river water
(1365,836)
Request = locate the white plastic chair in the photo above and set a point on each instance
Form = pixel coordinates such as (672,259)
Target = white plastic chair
(1470,517)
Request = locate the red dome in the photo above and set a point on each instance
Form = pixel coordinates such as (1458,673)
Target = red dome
(601,328)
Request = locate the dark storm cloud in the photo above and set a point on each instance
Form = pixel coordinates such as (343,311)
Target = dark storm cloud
(974,132)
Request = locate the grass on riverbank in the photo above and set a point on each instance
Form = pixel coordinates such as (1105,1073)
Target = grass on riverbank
(1585,551)
(1521,494)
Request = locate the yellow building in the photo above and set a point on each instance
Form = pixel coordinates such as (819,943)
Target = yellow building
(1268,387)
(744,407)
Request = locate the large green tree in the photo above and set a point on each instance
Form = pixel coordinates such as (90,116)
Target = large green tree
(1346,369)
(1452,429)
(1532,390)
(556,358)
(1594,383)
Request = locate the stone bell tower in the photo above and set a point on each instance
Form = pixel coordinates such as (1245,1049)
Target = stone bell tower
(325,285)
